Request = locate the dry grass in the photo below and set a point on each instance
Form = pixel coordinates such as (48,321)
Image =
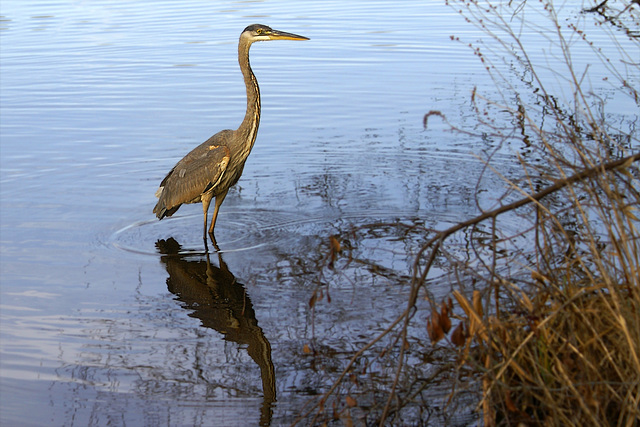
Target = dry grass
(571,360)
(558,343)
(563,346)
(555,341)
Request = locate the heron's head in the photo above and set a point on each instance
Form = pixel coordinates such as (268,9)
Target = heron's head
(259,32)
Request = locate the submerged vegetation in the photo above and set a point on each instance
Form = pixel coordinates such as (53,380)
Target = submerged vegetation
(542,323)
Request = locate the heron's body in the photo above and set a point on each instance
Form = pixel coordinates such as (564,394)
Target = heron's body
(211,168)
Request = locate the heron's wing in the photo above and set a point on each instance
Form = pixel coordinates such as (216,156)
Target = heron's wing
(198,172)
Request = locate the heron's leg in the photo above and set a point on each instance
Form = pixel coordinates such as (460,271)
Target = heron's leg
(219,199)
(206,201)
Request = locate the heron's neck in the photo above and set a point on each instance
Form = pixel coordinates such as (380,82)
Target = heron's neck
(248,129)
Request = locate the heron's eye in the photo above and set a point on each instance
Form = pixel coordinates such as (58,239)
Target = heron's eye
(259,31)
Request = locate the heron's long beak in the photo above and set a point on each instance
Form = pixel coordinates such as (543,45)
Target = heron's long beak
(281,35)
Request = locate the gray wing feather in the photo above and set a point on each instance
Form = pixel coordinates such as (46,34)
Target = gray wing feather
(198,172)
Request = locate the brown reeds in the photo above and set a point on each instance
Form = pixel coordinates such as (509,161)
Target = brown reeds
(558,343)
(563,345)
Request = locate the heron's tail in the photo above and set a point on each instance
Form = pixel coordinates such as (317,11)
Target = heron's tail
(161,209)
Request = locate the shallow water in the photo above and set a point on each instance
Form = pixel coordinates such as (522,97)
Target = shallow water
(110,317)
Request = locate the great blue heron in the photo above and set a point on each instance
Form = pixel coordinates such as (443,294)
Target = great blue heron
(211,168)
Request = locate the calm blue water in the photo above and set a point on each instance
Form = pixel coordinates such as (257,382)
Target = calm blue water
(100,99)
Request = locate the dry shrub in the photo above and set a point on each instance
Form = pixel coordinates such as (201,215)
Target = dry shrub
(558,342)
(574,364)
(545,320)
(563,345)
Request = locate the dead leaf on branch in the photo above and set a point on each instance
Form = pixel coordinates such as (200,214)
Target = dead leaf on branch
(459,336)
(445,321)
(436,333)
(335,247)
(351,402)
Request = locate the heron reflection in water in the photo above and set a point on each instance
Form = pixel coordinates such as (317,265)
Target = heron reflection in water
(221,303)
(211,168)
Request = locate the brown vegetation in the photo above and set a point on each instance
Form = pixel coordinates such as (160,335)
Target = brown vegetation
(542,324)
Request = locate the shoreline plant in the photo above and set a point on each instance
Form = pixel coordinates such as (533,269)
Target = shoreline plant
(542,324)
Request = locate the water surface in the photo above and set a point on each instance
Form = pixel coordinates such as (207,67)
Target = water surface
(109,317)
